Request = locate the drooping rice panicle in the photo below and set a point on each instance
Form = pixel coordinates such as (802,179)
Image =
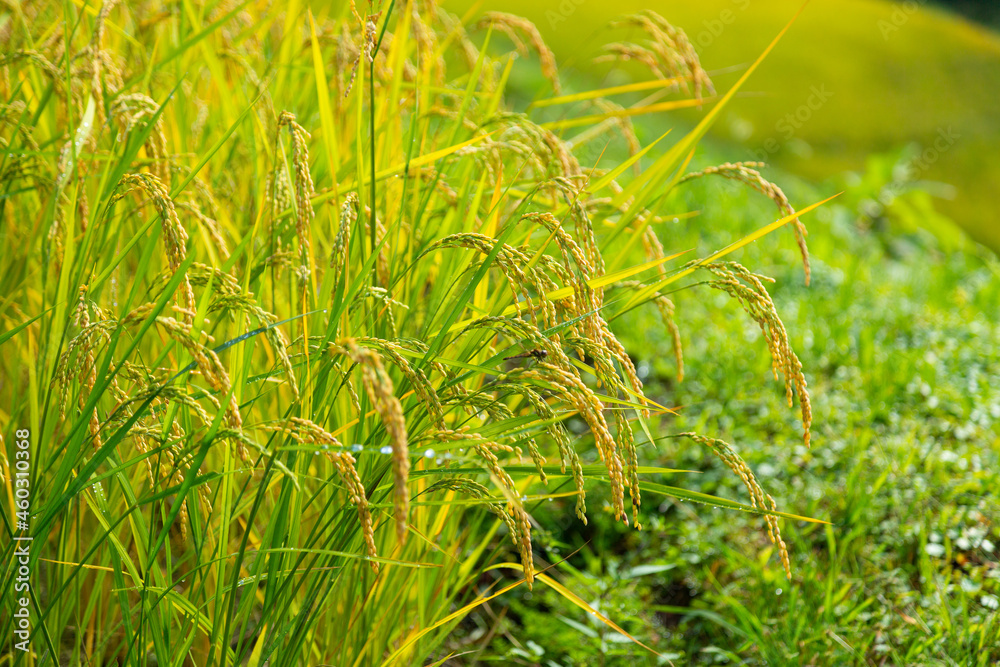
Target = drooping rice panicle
(746,172)
(175,237)
(666,47)
(310,433)
(484,449)
(304,190)
(129,111)
(378,385)
(748,289)
(513,26)
(758,498)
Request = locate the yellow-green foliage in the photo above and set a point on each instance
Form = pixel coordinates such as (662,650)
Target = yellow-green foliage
(238,236)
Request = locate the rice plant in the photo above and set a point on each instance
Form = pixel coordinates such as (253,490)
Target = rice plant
(297,307)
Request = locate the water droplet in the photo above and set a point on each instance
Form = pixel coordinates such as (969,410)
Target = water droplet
(777,592)
(386,450)
(429,454)
(356,447)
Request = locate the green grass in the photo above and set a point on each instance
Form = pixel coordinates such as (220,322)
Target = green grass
(887,87)
(295,342)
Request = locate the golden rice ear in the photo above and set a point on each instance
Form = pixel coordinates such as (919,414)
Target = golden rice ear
(129,111)
(100,64)
(210,368)
(758,498)
(304,190)
(666,51)
(175,237)
(378,385)
(308,432)
(342,242)
(746,173)
(748,289)
(514,26)
(515,506)
(234,301)
(591,409)
(423,388)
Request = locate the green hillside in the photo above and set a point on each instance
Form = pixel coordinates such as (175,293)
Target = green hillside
(903,78)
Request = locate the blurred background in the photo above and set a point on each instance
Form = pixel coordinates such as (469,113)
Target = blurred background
(857,89)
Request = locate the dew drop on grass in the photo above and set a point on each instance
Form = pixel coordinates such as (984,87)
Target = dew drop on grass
(934,550)
(356,447)
(777,592)
(386,450)
(429,454)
